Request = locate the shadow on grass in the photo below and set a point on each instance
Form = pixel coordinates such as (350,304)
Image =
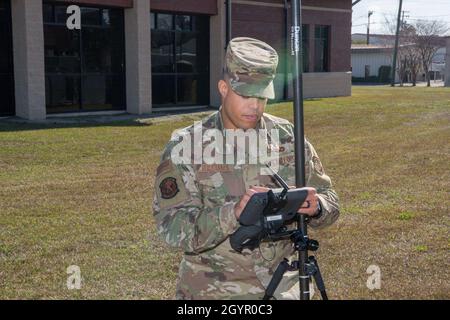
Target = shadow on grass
(12,124)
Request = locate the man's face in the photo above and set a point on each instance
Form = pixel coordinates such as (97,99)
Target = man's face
(239,112)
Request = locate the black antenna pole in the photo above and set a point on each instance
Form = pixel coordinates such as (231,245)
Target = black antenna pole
(297,65)
(228,23)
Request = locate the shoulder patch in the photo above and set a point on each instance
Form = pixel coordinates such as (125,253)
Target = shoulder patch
(169,188)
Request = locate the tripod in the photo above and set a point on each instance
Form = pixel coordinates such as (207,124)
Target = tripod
(311,268)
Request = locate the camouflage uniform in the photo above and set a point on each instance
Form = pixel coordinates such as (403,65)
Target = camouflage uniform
(194,211)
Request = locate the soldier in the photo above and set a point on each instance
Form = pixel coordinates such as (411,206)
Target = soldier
(197,206)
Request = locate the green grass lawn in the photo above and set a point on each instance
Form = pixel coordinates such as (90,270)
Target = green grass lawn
(81,195)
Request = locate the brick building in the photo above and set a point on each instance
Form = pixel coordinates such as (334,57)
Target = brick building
(141,56)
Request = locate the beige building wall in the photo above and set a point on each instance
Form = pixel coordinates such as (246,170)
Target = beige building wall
(29,65)
(217,52)
(327,84)
(138,58)
(324,85)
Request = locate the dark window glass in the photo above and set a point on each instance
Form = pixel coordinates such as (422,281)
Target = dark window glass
(164,21)
(62,50)
(187,52)
(180,60)
(162,51)
(163,88)
(102,91)
(321,49)
(61,14)
(6,61)
(6,94)
(5,37)
(90,16)
(94,89)
(96,50)
(194,21)
(305,41)
(62,93)
(85,68)
(187,89)
(48,13)
(117,91)
(101,51)
(183,23)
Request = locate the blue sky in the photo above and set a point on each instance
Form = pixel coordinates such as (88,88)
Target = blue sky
(416,9)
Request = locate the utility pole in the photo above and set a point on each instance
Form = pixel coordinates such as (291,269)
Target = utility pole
(368,27)
(394,63)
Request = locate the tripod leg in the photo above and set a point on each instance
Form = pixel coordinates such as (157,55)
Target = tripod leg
(318,278)
(276,278)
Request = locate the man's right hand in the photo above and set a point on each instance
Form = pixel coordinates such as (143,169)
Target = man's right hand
(240,206)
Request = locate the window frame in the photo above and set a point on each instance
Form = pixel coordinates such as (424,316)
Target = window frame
(325,62)
(82,73)
(200,75)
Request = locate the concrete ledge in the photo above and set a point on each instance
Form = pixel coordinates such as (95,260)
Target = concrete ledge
(85,114)
(327,84)
(179,108)
(319,85)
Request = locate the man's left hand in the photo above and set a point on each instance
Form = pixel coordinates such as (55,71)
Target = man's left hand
(311,205)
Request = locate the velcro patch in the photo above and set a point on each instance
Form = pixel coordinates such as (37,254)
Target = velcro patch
(170,188)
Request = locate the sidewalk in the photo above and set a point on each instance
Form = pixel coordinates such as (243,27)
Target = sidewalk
(437,83)
(99,119)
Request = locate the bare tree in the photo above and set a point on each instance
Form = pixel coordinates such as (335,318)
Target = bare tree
(407,62)
(410,52)
(413,62)
(402,65)
(428,39)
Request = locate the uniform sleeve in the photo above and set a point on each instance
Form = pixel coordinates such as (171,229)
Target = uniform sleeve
(316,178)
(181,216)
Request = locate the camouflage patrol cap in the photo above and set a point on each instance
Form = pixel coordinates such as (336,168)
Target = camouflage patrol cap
(251,66)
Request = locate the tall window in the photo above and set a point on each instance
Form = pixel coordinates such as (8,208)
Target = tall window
(321,50)
(6,61)
(180,59)
(85,69)
(305,42)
